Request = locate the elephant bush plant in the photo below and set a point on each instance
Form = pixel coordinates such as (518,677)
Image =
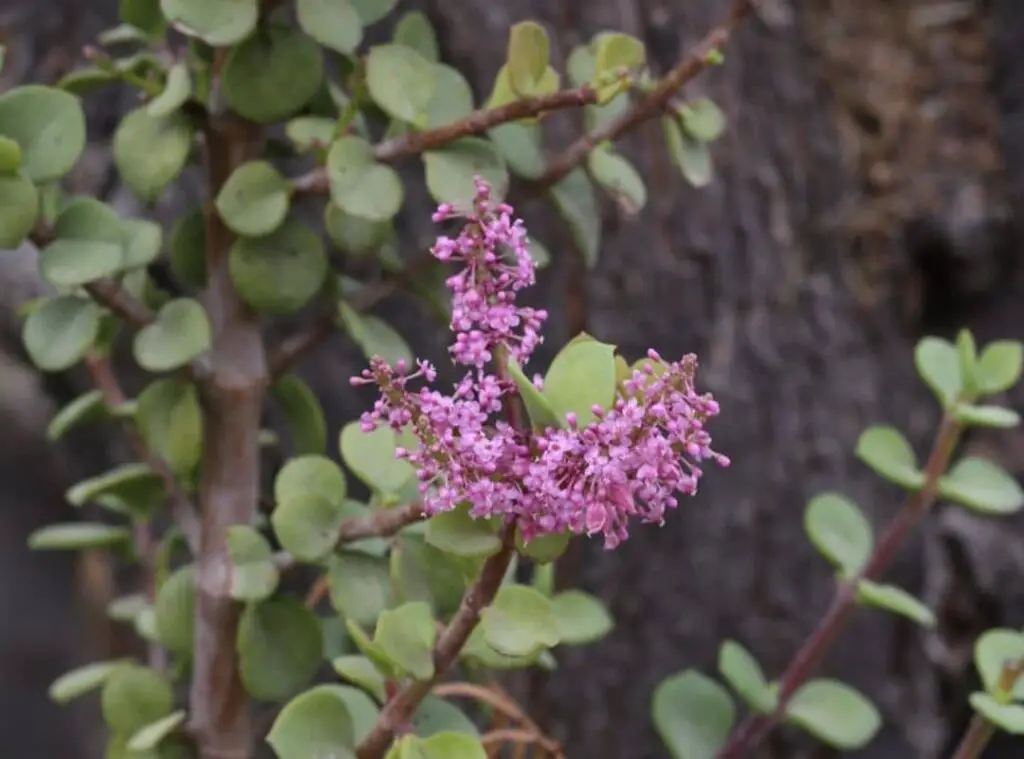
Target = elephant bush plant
(432,574)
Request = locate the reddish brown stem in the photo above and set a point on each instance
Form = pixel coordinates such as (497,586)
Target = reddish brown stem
(755,728)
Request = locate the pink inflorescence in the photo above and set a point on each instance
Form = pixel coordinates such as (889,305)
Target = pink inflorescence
(629,462)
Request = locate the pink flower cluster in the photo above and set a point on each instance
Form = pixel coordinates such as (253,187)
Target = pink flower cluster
(629,462)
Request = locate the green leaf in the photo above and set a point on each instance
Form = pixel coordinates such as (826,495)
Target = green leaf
(581,617)
(220,24)
(144,15)
(359,585)
(49,126)
(311,474)
(361,708)
(520,622)
(835,714)
(458,533)
(304,414)
(86,80)
(896,600)
(180,333)
(10,156)
(177,90)
(415,30)
(451,170)
(82,680)
(421,572)
(434,716)
(371,457)
(967,355)
(981,485)
(142,241)
(188,248)
(308,525)
(521,145)
(1006,717)
(938,363)
(310,132)
(316,723)
(616,52)
(406,636)
(77,536)
(576,202)
(999,367)
(254,200)
(543,549)
(170,421)
(529,53)
(359,184)
(453,97)
(702,120)
(282,272)
(280,644)
(741,670)
(692,158)
(581,376)
(987,416)
(150,151)
(88,244)
(995,650)
(401,82)
(442,745)
(175,611)
(840,532)
(372,11)
(253,574)
(361,671)
(884,449)
(149,737)
(374,336)
(356,235)
(137,485)
(335,24)
(581,67)
(618,177)
(271,75)
(85,408)
(692,715)
(19,208)
(134,697)
(60,330)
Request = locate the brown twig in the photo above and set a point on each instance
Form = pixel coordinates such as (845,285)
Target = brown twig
(500,702)
(980,731)
(399,708)
(755,728)
(653,105)
(522,738)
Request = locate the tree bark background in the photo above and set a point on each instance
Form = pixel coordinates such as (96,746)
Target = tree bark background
(866,193)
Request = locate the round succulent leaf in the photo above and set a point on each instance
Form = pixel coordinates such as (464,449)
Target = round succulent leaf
(981,485)
(423,573)
(896,600)
(77,536)
(136,485)
(362,672)
(741,670)
(435,715)
(835,714)
(281,272)
(280,646)
(175,611)
(180,333)
(371,457)
(313,724)
(356,235)
(581,376)
(151,151)
(938,364)
(86,80)
(458,533)
(619,179)
(538,407)
(187,252)
(529,52)
(335,24)
(576,202)
(840,531)
(177,90)
(310,132)
(359,585)
(702,119)
(304,414)
(254,576)
(406,635)
(453,97)
(692,158)
(310,474)
(60,330)
(358,184)
(272,74)
(692,715)
(543,549)
(374,336)
(451,170)
(479,652)
(308,525)
(10,156)
(401,82)
(520,622)
(88,244)
(521,145)
(987,416)
(87,407)
(449,745)
(995,650)
(81,680)
(144,15)
(361,708)
(1007,717)
(142,241)
(19,209)
(372,11)
(886,450)
(135,696)
(220,24)
(582,618)
(149,737)
(254,200)
(49,126)
(170,420)
(999,366)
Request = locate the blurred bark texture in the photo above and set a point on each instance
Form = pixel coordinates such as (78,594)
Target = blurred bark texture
(867,192)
